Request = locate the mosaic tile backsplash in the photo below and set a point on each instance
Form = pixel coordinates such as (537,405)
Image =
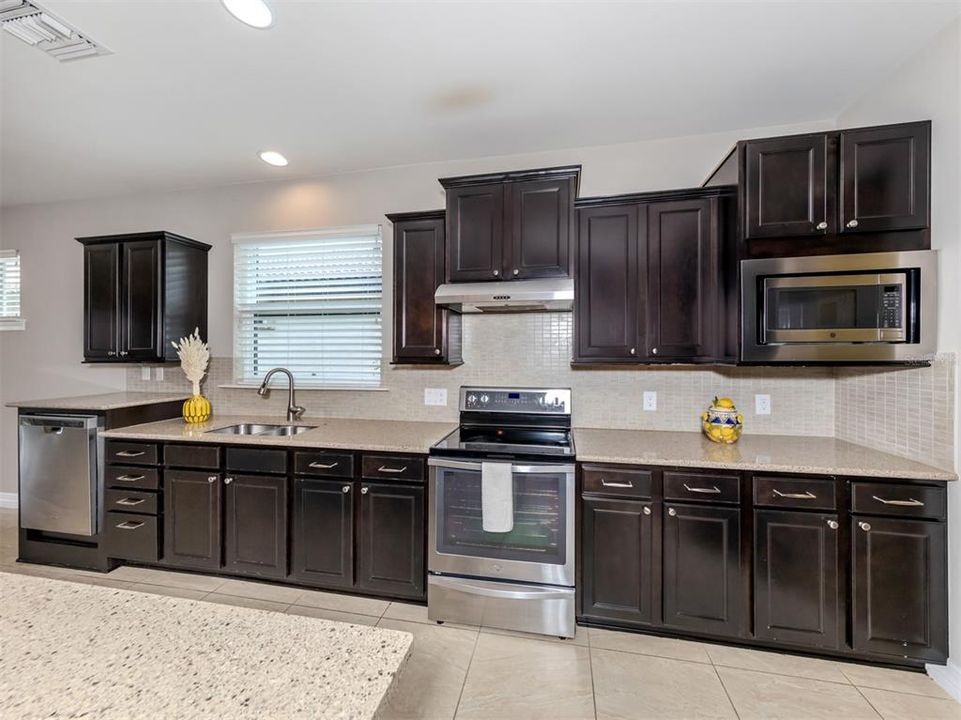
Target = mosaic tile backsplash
(535,349)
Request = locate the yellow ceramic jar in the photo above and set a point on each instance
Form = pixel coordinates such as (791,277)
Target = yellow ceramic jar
(196,409)
(721,422)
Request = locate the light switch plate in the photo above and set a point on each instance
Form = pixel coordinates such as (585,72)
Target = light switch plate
(145,372)
(650,400)
(435,396)
(158,373)
(762,404)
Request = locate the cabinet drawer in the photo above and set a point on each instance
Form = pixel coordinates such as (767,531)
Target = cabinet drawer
(794,492)
(904,500)
(392,467)
(139,478)
(131,453)
(257,460)
(141,502)
(704,487)
(325,464)
(613,480)
(132,537)
(192,456)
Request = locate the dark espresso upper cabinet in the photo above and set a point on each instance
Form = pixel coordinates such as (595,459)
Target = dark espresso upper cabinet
(142,291)
(508,226)
(423,331)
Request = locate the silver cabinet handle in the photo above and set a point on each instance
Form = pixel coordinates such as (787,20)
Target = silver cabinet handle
(228,480)
(129,478)
(833,524)
(902,503)
(130,502)
(822,225)
(496,273)
(852,223)
(806,495)
(212,478)
(322,466)
(385,469)
(123,353)
(516,271)
(364,490)
(710,491)
(111,353)
(436,351)
(654,351)
(128,525)
(647,510)
(627,484)
(346,488)
(672,512)
(864,526)
(131,453)
(633,351)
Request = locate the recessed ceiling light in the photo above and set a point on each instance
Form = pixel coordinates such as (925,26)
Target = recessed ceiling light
(255,13)
(272,157)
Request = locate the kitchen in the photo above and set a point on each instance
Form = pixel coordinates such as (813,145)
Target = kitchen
(626,346)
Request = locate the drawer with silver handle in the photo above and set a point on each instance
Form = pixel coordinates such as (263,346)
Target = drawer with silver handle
(795,492)
(131,477)
(392,467)
(131,453)
(132,537)
(702,487)
(140,502)
(901,499)
(615,480)
(324,464)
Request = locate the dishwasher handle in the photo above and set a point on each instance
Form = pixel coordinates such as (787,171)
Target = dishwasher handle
(55,424)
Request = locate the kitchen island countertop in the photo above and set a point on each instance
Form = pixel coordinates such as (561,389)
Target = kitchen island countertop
(99,403)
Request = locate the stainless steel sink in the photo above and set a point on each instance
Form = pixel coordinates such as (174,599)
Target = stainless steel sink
(288,430)
(262,429)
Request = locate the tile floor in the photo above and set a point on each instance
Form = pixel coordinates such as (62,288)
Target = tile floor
(484,673)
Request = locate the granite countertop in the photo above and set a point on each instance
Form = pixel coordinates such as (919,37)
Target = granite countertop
(769,453)
(106,401)
(329,433)
(130,654)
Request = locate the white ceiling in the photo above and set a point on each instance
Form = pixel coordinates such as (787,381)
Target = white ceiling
(190,95)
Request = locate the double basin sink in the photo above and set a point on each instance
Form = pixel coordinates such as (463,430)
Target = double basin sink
(260,429)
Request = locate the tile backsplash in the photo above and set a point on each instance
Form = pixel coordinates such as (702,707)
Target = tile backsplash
(535,349)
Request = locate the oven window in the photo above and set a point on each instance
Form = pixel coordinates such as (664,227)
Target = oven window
(824,308)
(540,518)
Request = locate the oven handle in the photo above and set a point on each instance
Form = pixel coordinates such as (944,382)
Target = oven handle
(445,464)
(484,589)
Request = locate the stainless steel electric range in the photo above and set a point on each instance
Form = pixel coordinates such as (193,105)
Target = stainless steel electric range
(501,503)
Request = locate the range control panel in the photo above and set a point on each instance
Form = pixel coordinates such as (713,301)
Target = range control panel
(517,400)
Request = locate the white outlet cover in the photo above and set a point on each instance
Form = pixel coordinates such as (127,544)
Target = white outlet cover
(158,373)
(145,372)
(762,404)
(650,400)
(435,396)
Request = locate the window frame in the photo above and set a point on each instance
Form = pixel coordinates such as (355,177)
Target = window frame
(13,322)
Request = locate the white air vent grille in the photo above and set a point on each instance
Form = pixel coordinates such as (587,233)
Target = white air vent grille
(35,26)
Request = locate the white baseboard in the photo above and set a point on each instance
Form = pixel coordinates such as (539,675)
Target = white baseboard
(948,677)
(8,500)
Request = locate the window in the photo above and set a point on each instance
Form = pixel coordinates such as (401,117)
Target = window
(10,318)
(310,302)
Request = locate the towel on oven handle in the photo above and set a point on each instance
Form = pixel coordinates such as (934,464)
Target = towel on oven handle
(497,497)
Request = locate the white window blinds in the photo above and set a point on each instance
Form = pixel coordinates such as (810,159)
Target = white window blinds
(10,318)
(310,302)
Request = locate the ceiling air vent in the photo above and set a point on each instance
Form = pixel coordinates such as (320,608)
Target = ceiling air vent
(37,27)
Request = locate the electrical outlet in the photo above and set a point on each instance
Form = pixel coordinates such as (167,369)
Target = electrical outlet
(158,373)
(650,400)
(144,372)
(762,404)
(435,396)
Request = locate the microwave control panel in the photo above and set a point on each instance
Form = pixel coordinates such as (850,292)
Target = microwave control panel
(891,310)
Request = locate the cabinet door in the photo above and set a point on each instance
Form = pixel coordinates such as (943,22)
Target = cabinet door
(786,193)
(322,539)
(618,560)
(885,178)
(900,587)
(682,280)
(392,540)
(255,523)
(475,232)
(141,332)
(101,311)
(419,324)
(192,519)
(606,302)
(540,220)
(702,569)
(796,577)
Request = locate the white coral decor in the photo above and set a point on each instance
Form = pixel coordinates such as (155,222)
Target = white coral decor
(194,356)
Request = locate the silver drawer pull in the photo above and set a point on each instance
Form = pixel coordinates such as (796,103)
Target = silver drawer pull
(864,526)
(364,490)
(627,484)
(130,502)
(672,512)
(903,503)
(128,525)
(710,491)
(129,478)
(384,469)
(131,453)
(321,466)
(833,524)
(806,495)
(346,488)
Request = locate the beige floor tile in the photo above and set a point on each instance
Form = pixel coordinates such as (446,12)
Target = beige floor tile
(901,681)
(240,601)
(769,662)
(343,603)
(430,684)
(408,612)
(648,645)
(259,591)
(102,581)
(580,636)
(902,706)
(169,591)
(334,615)
(167,578)
(513,677)
(628,686)
(764,696)
(49,571)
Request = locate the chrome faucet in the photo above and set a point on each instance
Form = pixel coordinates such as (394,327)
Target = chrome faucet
(294,411)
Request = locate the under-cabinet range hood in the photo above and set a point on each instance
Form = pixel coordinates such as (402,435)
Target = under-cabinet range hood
(541,295)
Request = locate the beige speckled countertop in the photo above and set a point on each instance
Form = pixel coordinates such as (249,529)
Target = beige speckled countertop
(75,650)
(330,433)
(770,453)
(106,401)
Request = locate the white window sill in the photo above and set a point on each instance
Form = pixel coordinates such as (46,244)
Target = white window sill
(13,325)
(311,388)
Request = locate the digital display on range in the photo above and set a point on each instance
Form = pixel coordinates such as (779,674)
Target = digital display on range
(513,396)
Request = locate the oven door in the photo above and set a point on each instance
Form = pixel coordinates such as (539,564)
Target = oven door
(538,549)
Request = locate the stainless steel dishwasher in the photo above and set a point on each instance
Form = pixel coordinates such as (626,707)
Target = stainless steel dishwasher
(58,473)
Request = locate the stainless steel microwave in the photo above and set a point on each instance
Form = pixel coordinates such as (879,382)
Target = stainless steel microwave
(869,307)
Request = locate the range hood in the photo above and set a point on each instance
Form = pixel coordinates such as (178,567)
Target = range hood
(541,295)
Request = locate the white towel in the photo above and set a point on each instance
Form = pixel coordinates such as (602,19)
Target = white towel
(497,497)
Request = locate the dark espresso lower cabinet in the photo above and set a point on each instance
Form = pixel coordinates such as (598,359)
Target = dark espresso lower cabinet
(322,537)
(192,529)
(255,525)
(391,543)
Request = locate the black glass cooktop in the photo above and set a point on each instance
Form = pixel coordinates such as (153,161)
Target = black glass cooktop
(487,441)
